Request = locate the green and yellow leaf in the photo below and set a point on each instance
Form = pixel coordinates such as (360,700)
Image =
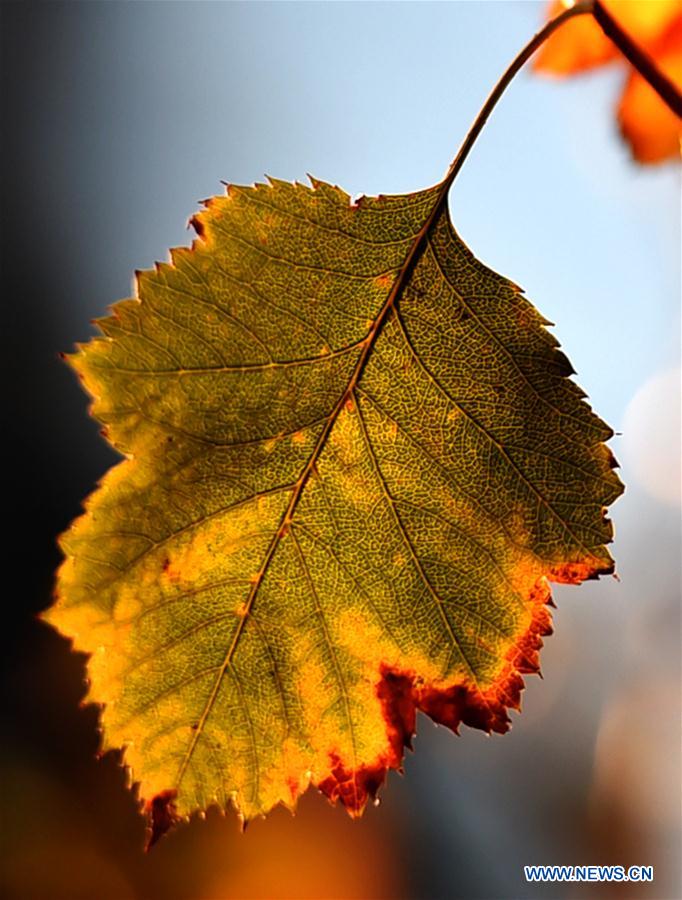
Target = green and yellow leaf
(354,460)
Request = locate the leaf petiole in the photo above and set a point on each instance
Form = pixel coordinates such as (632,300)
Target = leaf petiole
(632,52)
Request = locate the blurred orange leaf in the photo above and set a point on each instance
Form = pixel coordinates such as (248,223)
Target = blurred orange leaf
(650,128)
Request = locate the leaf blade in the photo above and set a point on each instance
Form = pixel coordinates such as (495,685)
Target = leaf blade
(276,565)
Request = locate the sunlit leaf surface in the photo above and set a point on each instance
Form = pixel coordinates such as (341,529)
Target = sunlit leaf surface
(354,459)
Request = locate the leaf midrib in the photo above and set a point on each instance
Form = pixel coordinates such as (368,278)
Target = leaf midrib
(416,249)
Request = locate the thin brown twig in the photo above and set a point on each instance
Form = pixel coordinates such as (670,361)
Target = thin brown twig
(578,9)
(633,53)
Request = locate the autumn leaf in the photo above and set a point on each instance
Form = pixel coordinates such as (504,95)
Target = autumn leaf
(353,461)
(649,126)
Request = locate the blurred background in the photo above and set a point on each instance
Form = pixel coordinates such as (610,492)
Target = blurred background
(119,117)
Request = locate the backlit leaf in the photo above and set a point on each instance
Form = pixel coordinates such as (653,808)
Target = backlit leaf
(354,459)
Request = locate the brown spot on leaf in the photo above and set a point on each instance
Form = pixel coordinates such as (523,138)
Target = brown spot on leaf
(292,784)
(353,787)
(385,280)
(161,816)
(581,570)
(196,223)
(395,691)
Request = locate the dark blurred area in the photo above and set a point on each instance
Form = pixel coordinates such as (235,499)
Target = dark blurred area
(591,772)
